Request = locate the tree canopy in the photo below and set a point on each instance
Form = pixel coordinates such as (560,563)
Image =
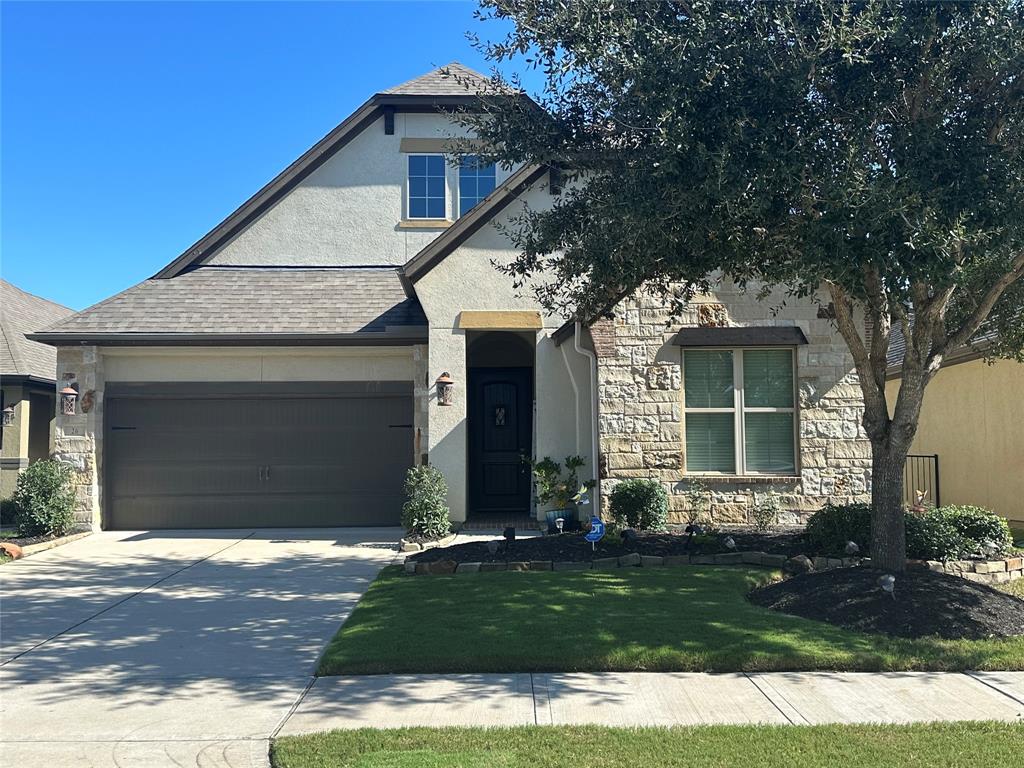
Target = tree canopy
(871,149)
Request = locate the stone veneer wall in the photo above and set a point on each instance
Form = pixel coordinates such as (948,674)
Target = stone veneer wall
(641,405)
(78,438)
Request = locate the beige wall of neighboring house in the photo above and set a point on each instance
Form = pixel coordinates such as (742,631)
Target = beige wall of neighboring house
(973,418)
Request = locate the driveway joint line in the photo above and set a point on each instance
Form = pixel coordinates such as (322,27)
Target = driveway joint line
(293,708)
(972,675)
(124,600)
(772,701)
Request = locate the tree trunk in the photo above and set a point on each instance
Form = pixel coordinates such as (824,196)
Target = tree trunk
(888,527)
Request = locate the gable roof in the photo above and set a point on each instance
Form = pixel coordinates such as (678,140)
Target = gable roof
(22,313)
(253,305)
(453,79)
(441,88)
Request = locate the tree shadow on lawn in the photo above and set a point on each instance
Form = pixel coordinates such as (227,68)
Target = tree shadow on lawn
(681,619)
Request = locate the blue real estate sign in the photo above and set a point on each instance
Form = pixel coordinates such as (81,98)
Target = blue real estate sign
(596,532)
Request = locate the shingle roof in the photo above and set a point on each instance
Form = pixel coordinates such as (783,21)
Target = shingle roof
(898,347)
(22,313)
(452,79)
(254,301)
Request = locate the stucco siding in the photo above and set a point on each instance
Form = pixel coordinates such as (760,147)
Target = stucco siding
(973,418)
(347,213)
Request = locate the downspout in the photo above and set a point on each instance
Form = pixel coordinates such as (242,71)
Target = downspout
(595,440)
(575,397)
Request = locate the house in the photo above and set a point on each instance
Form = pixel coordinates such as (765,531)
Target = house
(27,383)
(970,436)
(347,321)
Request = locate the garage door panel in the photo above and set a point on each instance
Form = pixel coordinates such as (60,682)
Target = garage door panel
(258,459)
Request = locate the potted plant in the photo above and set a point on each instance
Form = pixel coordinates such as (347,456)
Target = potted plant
(559,491)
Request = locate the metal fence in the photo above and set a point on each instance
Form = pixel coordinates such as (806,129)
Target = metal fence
(921,476)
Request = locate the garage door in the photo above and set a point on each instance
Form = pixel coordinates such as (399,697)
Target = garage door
(238,456)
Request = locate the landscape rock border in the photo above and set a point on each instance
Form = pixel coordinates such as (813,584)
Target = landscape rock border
(406,545)
(981,571)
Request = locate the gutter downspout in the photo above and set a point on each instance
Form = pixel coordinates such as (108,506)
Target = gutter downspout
(595,441)
(575,396)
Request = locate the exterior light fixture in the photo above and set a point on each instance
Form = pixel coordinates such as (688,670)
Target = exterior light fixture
(68,396)
(445,388)
(8,416)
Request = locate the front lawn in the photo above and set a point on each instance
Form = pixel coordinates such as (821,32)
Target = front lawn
(950,745)
(661,619)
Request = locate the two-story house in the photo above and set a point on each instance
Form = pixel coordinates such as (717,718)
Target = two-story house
(348,321)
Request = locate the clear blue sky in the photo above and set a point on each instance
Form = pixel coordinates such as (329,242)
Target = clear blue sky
(131,129)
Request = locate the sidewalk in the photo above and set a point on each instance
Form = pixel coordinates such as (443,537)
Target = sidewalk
(661,699)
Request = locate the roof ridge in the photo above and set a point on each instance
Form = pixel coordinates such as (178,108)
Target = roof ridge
(35,296)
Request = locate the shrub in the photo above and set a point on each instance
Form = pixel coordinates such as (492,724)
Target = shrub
(698,503)
(946,533)
(44,500)
(425,511)
(832,526)
(640,504)
(7,512)
(765,511)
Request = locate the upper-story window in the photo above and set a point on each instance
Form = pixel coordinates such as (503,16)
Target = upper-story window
(426,187)
(476,181)
(740,411)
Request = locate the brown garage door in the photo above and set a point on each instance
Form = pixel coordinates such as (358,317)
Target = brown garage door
(248,455)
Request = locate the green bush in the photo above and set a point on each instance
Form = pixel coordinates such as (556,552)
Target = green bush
(44,500)
(425,511)
(946,533)
(832,526)
(7,512)
(640,504)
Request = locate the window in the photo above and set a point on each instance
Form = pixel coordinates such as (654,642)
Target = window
(426,187)
(740,411)
(476,181)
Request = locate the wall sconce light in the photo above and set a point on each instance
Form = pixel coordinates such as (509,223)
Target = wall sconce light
(9,416)
(445,388)
(68,396)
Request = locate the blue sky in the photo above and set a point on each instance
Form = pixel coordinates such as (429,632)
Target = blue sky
(131,129)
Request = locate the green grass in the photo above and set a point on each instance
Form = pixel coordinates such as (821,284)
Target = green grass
(664,619)
(950,745)
(1013,587)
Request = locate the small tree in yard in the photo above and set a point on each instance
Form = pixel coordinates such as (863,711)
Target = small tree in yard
(868,153)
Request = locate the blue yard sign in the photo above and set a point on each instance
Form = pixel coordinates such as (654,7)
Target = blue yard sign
(596,532)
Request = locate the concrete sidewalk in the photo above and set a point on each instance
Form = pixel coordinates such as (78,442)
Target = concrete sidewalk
(656,699)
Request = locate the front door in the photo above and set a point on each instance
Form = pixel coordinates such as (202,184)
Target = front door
(500,423)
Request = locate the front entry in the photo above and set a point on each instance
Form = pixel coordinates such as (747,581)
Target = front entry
(500,424)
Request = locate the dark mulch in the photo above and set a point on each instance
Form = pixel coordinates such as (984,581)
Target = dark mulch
(573,547)
(926,604)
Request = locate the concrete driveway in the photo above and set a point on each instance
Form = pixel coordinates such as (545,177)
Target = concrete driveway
(171,647)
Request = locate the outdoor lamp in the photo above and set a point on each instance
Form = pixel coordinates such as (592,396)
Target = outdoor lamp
(68,396)
(445,388)
(9,416)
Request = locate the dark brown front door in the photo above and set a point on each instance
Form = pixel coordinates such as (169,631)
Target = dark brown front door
(500,423)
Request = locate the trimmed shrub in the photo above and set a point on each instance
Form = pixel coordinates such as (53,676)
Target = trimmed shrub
(946,533)
(44,500)
(641,504)
(833,525)
(7,511)
(425,512)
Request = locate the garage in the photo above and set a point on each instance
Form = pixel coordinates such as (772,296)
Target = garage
(223,455)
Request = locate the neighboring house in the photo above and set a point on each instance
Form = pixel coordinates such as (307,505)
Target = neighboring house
(27,371)
(283,371)
(972,420)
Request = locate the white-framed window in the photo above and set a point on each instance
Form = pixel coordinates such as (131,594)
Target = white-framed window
(426,186)
(476,181)
(740,411)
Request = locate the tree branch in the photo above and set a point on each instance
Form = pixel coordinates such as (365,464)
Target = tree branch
(970,326)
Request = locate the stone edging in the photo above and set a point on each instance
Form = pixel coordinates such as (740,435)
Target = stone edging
(404,545)
(983,571)
(42,546)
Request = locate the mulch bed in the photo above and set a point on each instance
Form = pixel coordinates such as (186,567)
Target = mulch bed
(926,604)
(573,547)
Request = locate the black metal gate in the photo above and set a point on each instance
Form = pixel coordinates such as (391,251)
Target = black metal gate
(921,480)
